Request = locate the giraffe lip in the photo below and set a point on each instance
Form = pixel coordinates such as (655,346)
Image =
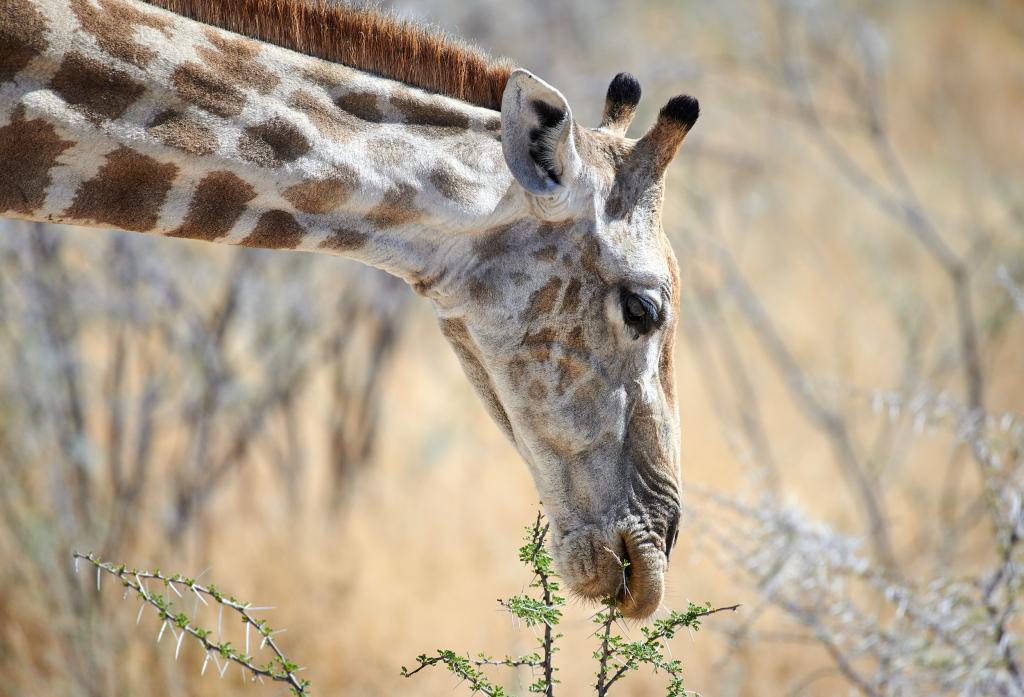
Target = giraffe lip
(641,593)
(598,563)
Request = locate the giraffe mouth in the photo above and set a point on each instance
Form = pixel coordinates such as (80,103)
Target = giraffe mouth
(643,584)
(599,563)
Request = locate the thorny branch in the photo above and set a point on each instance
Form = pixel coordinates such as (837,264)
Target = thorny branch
(279,669)
(615,656)
(664,629)
(544,578)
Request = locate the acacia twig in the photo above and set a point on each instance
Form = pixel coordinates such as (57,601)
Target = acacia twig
(278,669)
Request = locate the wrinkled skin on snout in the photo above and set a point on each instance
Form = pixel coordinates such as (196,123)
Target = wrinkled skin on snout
(565,325)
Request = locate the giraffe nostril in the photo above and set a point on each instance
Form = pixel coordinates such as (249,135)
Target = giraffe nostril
(671,535)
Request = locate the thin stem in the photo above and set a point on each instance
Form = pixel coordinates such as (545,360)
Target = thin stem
(539,533)
(655,637)
(132,578)
(606,653)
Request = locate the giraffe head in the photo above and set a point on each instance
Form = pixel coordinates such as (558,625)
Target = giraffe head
(564,320)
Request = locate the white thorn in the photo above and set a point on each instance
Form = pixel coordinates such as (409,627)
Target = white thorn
(141,608)
(260,608)
(98,570)
(178,647)
(76,565)
(246,638)
(225,668)
(175,589)
(205,661)
(160,635)
(199,595)
(220,617)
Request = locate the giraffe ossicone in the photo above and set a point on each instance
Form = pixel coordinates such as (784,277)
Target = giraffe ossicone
(538,241)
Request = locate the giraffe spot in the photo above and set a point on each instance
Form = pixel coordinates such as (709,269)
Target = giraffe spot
(517,372)
(272,143)
(536,391)
(275,230)
(542,301)
(422,111)
(482,292)
(22,36)
(575,340)
(126,193)
(614,205)
(391,152)
(176,129)
(362,105)
(571,299)
(218,202)
(29,150)
(539,342)
(454,186)
(324,195)
(493,123)
(589,391)
(590,253)
(398,207)
(345,240)
(113,24)
(559,228)
(569,371)
(324,75)
(519,278)
(547,253)
(97,90)
(494,242)
(207,90)
(236,60)
(458,336)
(424,285)
(560,447)
(332,122)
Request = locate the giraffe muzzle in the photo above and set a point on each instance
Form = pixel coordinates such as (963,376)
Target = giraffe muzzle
(643,585)
(616,561)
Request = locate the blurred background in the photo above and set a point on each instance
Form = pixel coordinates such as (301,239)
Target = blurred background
(849,219)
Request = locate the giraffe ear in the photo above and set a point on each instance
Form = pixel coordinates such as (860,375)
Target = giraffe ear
(537,134)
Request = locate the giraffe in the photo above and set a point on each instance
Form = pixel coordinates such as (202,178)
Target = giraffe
(302,125)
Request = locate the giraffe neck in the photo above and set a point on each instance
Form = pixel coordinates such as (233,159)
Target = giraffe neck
(117,114)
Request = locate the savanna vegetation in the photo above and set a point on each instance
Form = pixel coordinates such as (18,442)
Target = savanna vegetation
(849,219)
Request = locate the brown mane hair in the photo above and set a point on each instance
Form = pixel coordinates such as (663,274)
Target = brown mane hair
(360,38)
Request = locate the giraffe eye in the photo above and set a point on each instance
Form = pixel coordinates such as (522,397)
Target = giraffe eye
(639,313)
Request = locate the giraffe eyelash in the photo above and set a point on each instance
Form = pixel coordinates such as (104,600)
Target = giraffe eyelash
(640,313)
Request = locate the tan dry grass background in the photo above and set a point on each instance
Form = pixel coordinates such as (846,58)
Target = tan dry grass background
(428,539)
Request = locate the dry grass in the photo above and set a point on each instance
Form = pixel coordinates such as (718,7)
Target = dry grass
(426,542)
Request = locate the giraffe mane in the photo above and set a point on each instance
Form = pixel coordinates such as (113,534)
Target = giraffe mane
(361,38)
